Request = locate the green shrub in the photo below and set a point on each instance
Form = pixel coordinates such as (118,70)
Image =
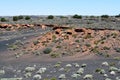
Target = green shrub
(50,17)
(77,41)
(53,79)
(58,46)
(54,55)
(98,70)
(63,17)
(35,42)
(3,20)
(88,36)
(117,16)
(27,18)
(20,17)
(47,50)
(104,16)
(106,48)
(15,18)
(54,37)
(116,58)
(88,45)
(77,16)
(117,49)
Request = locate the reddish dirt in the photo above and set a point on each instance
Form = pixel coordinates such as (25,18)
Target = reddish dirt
(69,45)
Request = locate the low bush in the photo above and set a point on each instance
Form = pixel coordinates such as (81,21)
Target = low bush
(50,17)
(104,16)
(15,18)
(27,18)
(3,20)
(47,50)
(77,16)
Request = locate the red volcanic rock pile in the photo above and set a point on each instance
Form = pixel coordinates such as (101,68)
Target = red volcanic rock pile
(70,41)
(22,26)
(78,41)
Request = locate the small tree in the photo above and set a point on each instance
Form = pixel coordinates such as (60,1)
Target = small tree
(117,16)
(104,16)
(3,20)
(27,17)
(15,18)
(50,17)
(77,16)
(20,17)
(47,50)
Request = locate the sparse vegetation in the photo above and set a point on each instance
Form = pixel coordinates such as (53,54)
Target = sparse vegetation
(117,49)
(117,16)
(77,16)
(54,55)
(15,18)
(50,17)
(105,16)
(3,20)
(68,46)
(36,42)
(47,50)
(27,18)
(20,17)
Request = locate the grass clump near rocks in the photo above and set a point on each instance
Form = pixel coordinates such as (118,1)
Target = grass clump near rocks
(100,71)
(53,79)
(54,55)
(36,42)
(117,50)
(47,50)
(116,58)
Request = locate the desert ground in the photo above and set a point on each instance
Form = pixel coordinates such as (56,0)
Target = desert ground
(62,48)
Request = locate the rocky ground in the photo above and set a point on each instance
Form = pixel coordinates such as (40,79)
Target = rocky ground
(56,49)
